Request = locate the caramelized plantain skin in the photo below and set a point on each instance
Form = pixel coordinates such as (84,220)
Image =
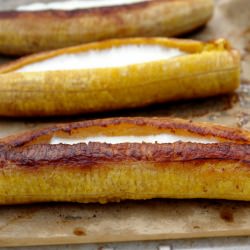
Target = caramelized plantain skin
(209,69)
(128,126)
(29,32)
(32,170)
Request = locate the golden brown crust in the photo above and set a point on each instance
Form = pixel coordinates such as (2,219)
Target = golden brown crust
(174,125)
(96,154)
(28,32)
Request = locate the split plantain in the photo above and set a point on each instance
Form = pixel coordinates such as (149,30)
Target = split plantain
(125,158)
(117,74)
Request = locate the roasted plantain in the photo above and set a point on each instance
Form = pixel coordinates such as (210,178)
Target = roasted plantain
(116,74)
(52,26)
(144,158)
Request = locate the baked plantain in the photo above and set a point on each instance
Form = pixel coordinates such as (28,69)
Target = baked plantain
(52,26)
(116,74)
(144,158)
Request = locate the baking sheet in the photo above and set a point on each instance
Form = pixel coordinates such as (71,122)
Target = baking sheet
(145,220)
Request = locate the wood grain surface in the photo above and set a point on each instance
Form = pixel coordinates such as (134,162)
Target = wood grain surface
(146,220)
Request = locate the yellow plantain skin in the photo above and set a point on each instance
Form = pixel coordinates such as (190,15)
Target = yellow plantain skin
(210,69)
(126,180)
(29,32)
(32,170)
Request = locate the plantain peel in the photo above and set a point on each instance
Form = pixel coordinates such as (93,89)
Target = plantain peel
(41,27)
(125,158)
(117,74)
